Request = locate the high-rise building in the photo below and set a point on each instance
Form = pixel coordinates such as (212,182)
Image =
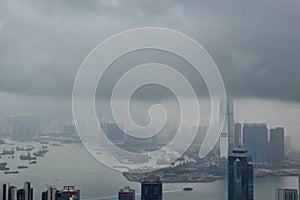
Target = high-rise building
(238,135)
(69,192)
(4,191)
(13,192)
(8,192)
(276,153)
(126,194)
(151,188)
(227,138)
(298,186)
(50,194)
(287,145)
(255,140)
(21,194)
(240,175)
(286,194)
(28,191)
(25,126)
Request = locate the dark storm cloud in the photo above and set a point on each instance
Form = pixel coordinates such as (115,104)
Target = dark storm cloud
(255,44)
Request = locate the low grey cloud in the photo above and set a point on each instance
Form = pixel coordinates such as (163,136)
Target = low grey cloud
(255,44)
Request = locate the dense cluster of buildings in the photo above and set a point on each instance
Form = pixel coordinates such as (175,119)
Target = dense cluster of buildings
(240,185)
(151,189)
(28,126)
(243,147)
(267,147)
(8,192)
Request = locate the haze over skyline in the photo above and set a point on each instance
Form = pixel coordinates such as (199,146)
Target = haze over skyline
(255,45)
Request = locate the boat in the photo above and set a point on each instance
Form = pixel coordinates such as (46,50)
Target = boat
(11,172)
(29,148)
(187,189)
(33,162)
(22,167)
(19,148)
(41,153)
(27,157)
(8,152)
(4,168)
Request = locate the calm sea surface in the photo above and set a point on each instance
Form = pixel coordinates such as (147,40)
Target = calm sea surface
(71,164)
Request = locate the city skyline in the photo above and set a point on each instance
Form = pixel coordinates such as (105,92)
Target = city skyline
(150,100)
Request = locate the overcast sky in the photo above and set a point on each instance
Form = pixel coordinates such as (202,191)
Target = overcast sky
(255,44)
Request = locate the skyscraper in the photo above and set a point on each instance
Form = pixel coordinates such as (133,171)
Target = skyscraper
(28,191)
(255,140)
(276,146)
(286,194)
(227,138)
(13,192)
(126,194)
(238,135)
(4,191)
(151,188)
(240,175)
(50,194)
(287,145)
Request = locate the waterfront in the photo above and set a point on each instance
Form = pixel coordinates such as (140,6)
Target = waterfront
(70,164)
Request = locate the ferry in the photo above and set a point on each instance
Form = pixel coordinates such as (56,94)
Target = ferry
(11,172)
(22,167)
(187,189)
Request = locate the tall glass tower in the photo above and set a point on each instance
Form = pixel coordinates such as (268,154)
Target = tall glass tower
(227,138)
(151,188)
(255,140)
(240,175)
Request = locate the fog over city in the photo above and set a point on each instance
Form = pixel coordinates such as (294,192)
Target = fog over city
(255,44)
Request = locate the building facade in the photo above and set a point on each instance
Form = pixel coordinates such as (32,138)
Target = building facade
(240,176)
(126,194)
(151,188)
(286,194)
(255,140)
(50,194)
(227,138)
(4,191)
(28,191)
(238,135)
(276,153)
(8,192)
